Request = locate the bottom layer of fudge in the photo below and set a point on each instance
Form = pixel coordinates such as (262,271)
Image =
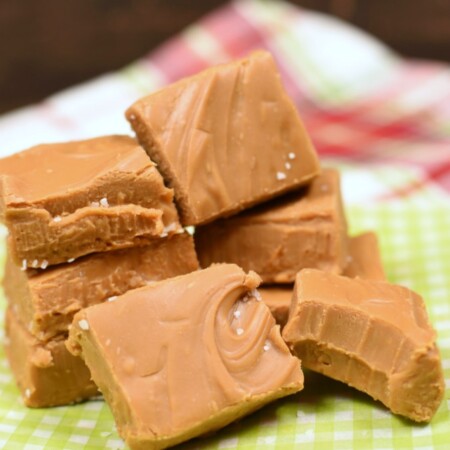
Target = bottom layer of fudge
(46,373)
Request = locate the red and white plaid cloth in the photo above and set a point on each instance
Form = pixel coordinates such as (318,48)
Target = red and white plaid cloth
(384,120)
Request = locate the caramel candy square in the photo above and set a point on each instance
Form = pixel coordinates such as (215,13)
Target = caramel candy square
(185,356)
(62,201)
(47,300)
(226,138)
(372,335)
(46,373)
(277,239)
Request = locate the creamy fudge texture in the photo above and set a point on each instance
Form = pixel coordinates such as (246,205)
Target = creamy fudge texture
(372,335)
(364,262)
(365,258)
(62,201)
(226,138)
(46,373)
(47,300)
(185,356)
(277,239)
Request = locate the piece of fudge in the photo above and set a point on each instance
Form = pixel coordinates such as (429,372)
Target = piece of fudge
(277,239)
(47,300)
(372,335)
(46,373)
(62,201)
(278,299)
(185,356)
(364,258)
(226,138)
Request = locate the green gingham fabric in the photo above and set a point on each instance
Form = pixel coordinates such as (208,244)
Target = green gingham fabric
(415,244)
(384,121)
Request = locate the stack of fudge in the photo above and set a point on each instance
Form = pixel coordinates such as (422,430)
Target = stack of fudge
(105,292)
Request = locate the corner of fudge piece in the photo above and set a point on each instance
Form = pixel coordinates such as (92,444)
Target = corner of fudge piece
(185,356)
(305,229)
(278,299)
(372,335)
(62,201)
(364,259)
(225,139)
(45,372)
(47,300)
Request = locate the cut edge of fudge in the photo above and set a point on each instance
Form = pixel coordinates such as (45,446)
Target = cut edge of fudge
(303,229)
(47,300)
(368,350)
(89,337)
(45,373)
(155,133)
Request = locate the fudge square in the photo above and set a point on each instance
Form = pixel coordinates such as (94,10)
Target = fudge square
(277,239)
(185,356)
(62,201)
(364,262)
(226,138)
(372,335)
(45,372)
(47,300)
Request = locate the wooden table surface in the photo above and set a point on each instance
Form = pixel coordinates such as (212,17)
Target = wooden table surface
(48,45)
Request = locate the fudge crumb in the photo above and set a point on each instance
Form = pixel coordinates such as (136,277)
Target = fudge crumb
(112,298)
(266,346)
(255,293)
(83,324)
(291,155)
(281,176)
(287,165)
(24,265)
(44,264)
(27,393)
(57,219)
(237,314)
(71,260)
(239,331)
(104,202)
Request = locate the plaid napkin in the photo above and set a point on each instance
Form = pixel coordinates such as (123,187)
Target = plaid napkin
(384,121)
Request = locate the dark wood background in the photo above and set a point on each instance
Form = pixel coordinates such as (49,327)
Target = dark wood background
(47,45)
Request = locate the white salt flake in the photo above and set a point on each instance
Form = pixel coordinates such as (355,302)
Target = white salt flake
(255,293)
(35,264)
(27,393)
(24,265)
(83,324)
(190,229)
(57,219)
(291,155)
(44,264)
(104,202)
(287,165)
(95,204)
(71,260)
(111,299)
(281,176)
(266,346)
(237,314)
(239,331)
(132,117)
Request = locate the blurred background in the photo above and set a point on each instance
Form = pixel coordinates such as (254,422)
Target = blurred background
(48,45)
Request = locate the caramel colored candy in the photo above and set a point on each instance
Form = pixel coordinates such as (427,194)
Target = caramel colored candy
(46,301)
(372,335)
(62,201)
(365,259)
(185,356)
(46,373)
(226,138)
(278,299)
(277,239)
